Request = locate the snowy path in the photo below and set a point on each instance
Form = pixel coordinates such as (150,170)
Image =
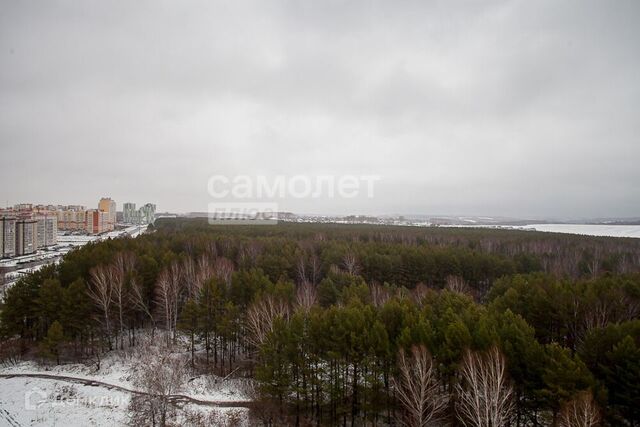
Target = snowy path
(6,416)
(176,398)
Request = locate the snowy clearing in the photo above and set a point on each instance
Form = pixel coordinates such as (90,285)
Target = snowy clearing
(42,402)
(83,395)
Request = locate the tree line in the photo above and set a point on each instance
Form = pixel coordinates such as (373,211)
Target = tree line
(356,325)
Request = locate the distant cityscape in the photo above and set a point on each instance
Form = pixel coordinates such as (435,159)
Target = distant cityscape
(26,228)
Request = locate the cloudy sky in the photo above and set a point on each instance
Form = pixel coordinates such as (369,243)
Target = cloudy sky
(513,108)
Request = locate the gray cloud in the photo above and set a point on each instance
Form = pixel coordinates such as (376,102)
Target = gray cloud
(500,107)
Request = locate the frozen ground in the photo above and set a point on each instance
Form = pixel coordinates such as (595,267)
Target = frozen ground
(590,229)
(27,401)
(584,229)
(41,402)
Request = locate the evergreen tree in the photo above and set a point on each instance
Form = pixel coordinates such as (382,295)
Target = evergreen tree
(52,343)
(189,322)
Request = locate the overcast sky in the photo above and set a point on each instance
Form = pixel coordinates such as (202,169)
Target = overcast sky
(512,108)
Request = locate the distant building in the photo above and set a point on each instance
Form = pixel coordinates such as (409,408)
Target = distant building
(72,218)
(97,222)
(108,206)
(7,237)
(129,213)
(148,213)
(26,236)
(23,207)
(47,229)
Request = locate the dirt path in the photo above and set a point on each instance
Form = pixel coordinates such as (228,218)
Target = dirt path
(175,398)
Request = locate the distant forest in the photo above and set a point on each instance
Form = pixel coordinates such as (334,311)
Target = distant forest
(360,324)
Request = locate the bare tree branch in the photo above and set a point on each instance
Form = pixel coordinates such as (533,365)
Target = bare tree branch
(485,395)
(100,292)
(261,316)
(418,389)
(582,411)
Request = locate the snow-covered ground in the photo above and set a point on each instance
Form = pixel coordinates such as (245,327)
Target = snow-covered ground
(590,229)
(43,402)
(584,229)
(117,369)
(27,401)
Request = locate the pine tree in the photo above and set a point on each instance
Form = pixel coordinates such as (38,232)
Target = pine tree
(49,302)
(76,311)
(189,322)
(53,342)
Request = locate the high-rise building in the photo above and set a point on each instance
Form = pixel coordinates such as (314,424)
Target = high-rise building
(129,213)
(108,206)
(148,213)
(97,221)
(7,237)
(47,229)
(26,236)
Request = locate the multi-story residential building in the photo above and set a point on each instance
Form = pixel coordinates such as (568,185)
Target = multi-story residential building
(148,213)
(7,237)
(72,218)
(129,213)
(26,236)
(47,229)
(108,206)
(23,207)
(97,221)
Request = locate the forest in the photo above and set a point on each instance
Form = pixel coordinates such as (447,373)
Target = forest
(359,324)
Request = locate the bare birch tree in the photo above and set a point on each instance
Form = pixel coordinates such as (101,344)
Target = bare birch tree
(122,268)
(314,267)
(456,284)
(160,375)
(251,252)
(582,411)
(593,264)
(196,275)
(379,294)
(418,389)
(100,292)
(485,397)
(169,289)
(301,269)
(350,263)
(306,296)
(189,274)
(140,301)
(224,269)
(261,316)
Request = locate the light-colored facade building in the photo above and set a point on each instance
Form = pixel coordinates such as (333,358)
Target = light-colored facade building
(148,213)
(26,236)
(97,222)
(7,237)
(129,213)
(108,206)
(47,229)
(72,218)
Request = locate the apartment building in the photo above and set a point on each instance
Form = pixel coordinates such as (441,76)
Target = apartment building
(7,237)
(72,218)
(26,236)
(97,221)
(108,206)
(47,230)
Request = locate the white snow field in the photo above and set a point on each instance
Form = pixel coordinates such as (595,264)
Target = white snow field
(590,229)
(43,402)
(583,229)
(59,401)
